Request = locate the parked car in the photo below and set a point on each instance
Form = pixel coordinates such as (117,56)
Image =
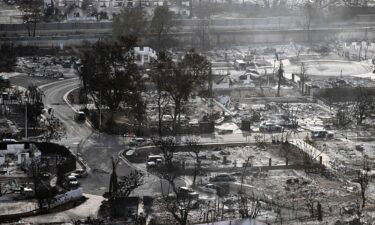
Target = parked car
(154,160)
(27,191)
(269,126)
(72,181)
(46,175)
(187,193)
(223,178)
(321,134)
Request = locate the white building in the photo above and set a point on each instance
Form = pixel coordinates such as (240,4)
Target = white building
(144,55)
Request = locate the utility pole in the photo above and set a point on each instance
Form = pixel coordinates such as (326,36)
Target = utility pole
(25,119)
(100,111)
(280,75)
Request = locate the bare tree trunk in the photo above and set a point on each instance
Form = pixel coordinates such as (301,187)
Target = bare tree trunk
(280,74)
(176,117)
(28,29)
(34,28)
(195,174)
(160,117)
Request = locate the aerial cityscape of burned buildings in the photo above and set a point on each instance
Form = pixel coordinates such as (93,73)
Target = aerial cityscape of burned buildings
(249,112)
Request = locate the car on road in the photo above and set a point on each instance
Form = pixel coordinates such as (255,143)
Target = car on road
(186,192)
(269,126)
(223,178)
(80,116)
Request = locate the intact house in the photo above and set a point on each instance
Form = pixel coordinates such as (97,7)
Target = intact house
(144,55)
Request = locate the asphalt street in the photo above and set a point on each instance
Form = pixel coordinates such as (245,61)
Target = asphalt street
(96,148)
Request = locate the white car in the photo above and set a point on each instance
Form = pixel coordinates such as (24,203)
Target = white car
(73,182)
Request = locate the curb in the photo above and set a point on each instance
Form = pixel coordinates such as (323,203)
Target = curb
(80,161)
(65,98)
(56,82)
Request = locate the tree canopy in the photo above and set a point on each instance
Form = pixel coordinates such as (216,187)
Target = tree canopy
(32,13)
(182,79)
(161,25)
(109,73)
(130,22)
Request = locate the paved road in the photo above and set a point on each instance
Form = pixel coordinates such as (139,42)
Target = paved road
(95,148)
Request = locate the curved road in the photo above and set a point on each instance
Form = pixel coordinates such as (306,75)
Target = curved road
(95,148)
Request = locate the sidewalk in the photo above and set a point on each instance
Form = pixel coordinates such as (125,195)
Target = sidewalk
(89,208)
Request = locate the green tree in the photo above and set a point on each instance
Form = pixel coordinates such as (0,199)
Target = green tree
(183,79)
(158,78)
(110,76)
(130,22)
(161,27)
(32,13)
